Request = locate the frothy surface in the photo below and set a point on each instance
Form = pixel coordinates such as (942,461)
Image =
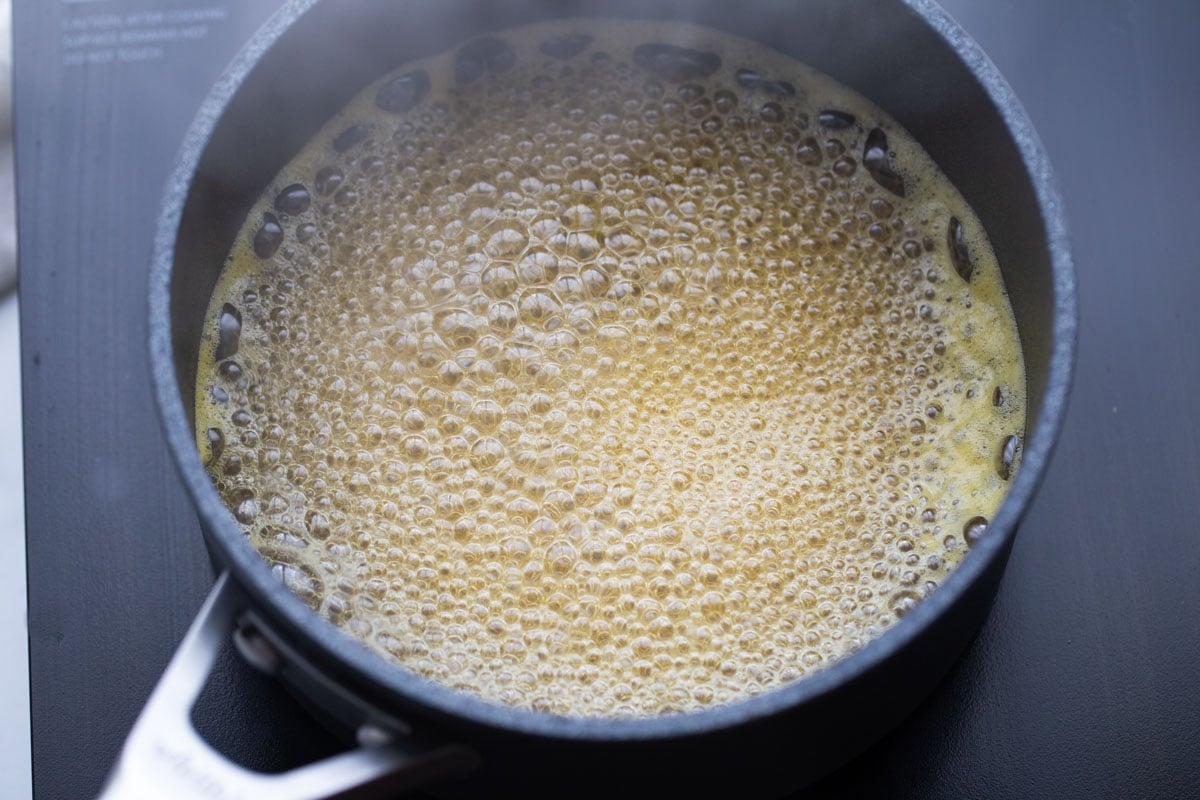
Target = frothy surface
(609,368)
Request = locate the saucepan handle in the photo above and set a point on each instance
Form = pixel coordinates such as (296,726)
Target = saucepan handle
(164,756)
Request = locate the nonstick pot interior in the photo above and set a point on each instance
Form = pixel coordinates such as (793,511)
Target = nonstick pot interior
(911,60)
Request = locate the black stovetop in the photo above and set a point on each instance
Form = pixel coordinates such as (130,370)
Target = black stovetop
(1082,682)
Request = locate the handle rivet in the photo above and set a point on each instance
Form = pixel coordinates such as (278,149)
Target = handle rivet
(254,647)
(371,735)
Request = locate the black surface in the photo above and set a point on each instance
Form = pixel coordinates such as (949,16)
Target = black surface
(1081,683)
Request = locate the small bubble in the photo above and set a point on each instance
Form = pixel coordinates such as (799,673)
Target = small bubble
(317,524)
(566,46)
(878,163)
(808,152)
(229,332)
(404,92)
(487,452)
(713,605)
(749,79)
(246,511)
(506,243)
(487,414)
(845,167)
(293,199)
(416,447)
(268,237)
(305,232)
(351,137)
(499,281)
(904,601)
(489,54)
(974,529)
(960,256)
(216,444)
(560,558)
(1006,456)
(300,581)
(881,208)
(328,179)
(771,112)
(835,120)
(676,63)
(230,371)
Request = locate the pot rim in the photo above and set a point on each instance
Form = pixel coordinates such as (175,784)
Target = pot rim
(364,667)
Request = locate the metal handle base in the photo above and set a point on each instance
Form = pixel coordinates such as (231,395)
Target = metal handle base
(164,756)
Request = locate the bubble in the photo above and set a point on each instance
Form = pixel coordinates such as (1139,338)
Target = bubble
(676,63)
(712,604)
(499,281)
(372,165)
(247,510)
(229,332)
(749,79)
(415,447)
(489,54)
(808,152)
(878,163)
(960,255)
(973,529)
(300,581)
(317,525)
(351,137)
(835,120)
(487,452)
(404,92)
(460,327)
(305,232)
(293,199)
(844,167)
(1007,456)
(539,306)
(537,267)
(328,179)
(486,414)
(268,237)
(566,46)
(216,444)
(506,243)
(594,282)
(771,112)
(560,558)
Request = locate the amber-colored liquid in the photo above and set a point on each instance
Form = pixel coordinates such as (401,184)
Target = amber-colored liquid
(607,381)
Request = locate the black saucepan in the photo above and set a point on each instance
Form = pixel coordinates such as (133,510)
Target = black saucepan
(906,55)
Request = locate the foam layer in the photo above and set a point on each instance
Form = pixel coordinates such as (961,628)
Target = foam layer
(610,368)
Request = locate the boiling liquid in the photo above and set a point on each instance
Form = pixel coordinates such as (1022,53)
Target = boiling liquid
(607,368)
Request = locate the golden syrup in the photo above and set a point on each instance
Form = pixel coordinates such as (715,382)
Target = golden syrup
(611,368)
